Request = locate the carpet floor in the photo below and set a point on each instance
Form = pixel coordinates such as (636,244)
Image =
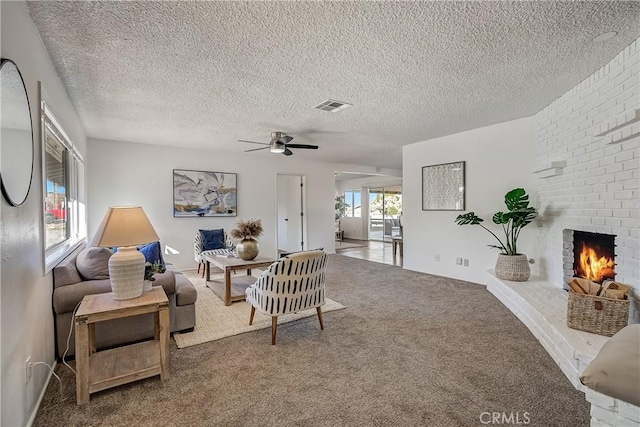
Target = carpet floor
(411,349)
(215,321)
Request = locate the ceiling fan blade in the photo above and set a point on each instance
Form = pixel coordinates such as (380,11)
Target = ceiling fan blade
(253,142)
(287,152)
(256,149)
(307,146)
(286,139)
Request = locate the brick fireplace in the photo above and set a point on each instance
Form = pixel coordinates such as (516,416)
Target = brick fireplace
(588,255)
(588,166)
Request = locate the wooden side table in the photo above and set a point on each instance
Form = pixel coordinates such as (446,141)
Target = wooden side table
(96,371)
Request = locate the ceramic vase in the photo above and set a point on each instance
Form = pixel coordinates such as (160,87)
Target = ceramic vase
(146,286)
(247,249)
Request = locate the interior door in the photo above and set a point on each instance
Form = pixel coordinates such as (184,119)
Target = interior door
(290,209)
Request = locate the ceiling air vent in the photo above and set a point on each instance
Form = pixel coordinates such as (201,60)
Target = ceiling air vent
(332,105)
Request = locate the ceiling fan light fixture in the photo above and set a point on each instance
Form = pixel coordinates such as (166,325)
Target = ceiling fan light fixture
(277,148)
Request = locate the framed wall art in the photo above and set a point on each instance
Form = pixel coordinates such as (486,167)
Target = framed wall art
(203,193)
(443,187)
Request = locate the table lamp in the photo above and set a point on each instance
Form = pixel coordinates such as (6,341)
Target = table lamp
(125,227)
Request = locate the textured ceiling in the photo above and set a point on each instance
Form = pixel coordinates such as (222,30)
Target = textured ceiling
(205,74)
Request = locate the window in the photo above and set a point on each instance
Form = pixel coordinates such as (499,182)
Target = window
(63,180)
(353,200)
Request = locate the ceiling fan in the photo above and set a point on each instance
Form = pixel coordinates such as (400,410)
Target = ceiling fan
(280,144)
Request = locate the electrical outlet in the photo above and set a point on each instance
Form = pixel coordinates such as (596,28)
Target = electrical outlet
(437,258)
(28,370)
(459,261)
(466,262)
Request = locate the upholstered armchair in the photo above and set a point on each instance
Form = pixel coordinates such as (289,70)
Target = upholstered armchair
(209,242)
(291,284)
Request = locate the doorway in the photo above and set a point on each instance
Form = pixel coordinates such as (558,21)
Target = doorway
(385,213)
(291,212)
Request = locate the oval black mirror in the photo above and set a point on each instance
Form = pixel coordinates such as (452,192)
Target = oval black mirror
(16,137)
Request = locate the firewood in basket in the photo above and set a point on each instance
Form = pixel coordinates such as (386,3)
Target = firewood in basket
(594,288)
(614,293)
(611,289)
(610,284)
(586,286)
(575,287)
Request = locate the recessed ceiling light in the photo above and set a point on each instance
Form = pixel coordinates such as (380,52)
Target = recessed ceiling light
(605,36)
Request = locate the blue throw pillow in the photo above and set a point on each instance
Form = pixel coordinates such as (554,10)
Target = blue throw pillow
(212,239)
(152,252)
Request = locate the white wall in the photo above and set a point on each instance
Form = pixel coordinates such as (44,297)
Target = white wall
(498,158)
(122,173)
(599,189)
(25,292)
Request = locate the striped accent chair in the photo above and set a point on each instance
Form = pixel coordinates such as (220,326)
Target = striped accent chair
(289,285)
(199,253)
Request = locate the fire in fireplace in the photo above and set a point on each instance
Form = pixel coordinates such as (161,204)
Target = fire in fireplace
(594,256)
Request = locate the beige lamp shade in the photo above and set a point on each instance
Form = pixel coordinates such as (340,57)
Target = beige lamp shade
(124,226)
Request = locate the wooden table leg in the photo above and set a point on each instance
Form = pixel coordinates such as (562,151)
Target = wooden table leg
(82,362)
(227,286)
(207,267)
(92,338)
(162,334)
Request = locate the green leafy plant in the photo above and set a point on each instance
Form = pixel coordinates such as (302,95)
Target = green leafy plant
(247,228)
(152,268)
(520,215)
(341,207)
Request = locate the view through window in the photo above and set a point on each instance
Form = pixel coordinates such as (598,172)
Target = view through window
(63,186)
(353,200)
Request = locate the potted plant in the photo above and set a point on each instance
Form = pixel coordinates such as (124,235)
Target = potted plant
(341,207)
(149,270)
(511,264)
(246,232)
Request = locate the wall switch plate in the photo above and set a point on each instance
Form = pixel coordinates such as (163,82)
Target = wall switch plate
(459,261)
(466,262)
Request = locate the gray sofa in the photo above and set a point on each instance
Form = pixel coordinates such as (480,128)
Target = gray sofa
(70,287)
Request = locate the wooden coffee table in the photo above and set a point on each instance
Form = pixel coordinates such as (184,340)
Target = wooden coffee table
(232,288)
(96,371)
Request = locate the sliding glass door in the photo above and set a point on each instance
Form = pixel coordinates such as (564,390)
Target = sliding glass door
(385,211)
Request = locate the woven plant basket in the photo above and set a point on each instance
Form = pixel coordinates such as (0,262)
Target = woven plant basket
(598,315)
(513,267)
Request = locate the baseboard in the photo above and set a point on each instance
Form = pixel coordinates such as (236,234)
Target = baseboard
(36,408)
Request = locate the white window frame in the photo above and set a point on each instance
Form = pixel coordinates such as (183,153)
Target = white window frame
(75,180)
(351,202)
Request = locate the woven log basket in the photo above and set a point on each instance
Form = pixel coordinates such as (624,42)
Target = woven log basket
(598,315)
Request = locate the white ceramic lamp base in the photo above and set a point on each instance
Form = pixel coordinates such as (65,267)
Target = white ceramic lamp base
(126,271)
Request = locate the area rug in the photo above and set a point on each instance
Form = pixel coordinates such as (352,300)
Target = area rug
(214,320)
